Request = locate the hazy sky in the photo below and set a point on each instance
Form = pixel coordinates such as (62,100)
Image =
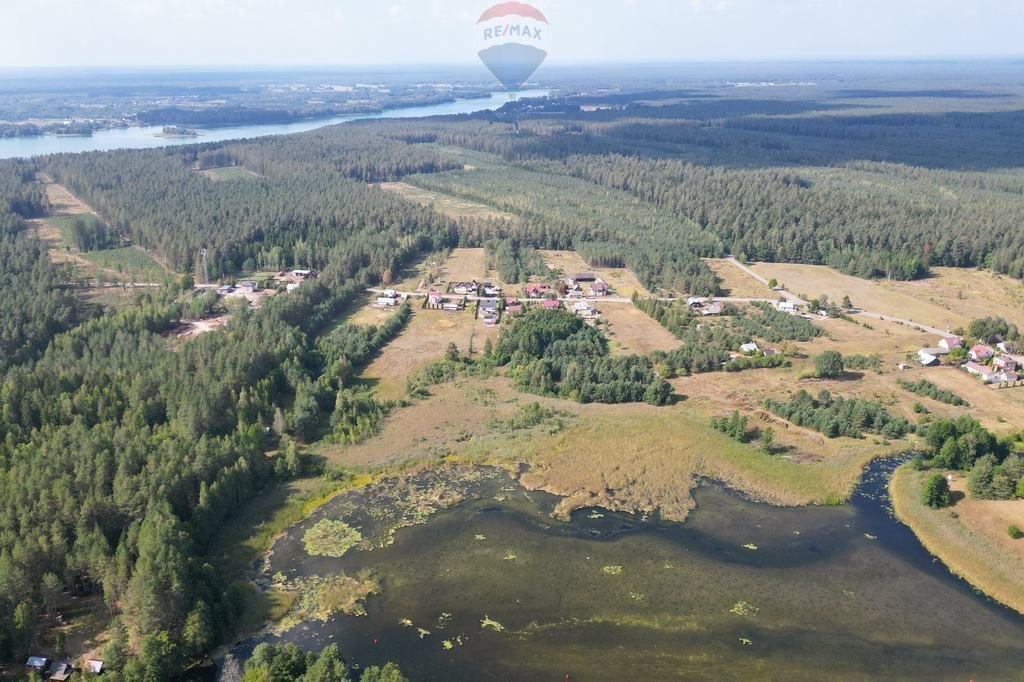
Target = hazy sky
(362,32)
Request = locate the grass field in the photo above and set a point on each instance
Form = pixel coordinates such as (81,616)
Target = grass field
(464,265)
(631,331)
(968,293)
(737,283)
(622,281)
(367,313)
(422,341)
(949,299)
(974,543)
(130,262)
(445,204)
(229,173)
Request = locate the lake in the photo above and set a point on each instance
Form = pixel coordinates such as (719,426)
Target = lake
(145,137)
(740,591)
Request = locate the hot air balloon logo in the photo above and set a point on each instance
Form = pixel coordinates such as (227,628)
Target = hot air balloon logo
(511,38)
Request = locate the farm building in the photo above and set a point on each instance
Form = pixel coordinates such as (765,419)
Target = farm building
(715,308)
(584,277)
(986,374)
(466,288)
(926,358)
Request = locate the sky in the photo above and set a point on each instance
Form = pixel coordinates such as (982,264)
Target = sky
(387,32)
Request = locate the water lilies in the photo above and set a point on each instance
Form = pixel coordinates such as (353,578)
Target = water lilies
(612,570)
(751,546)
(488,622)
(423,632)
(478,536)
(405,623)
(743,608)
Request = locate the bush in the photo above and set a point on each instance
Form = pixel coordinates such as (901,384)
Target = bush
(935,493)
(1015,532)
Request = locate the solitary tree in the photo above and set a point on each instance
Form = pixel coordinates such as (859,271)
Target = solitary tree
(935,493)
(829,365)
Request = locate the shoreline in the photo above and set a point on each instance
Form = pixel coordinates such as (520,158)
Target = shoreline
(966,553)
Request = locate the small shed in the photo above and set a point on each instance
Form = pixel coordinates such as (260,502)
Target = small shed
(61,671)
(37,663)
(94,666)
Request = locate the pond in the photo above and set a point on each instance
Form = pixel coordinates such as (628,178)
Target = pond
(492,588)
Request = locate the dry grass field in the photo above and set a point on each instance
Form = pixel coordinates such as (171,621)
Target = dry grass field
(368,313)
(974,544)
(968,293)
(951,298)
(464,264)
(631,331)
(737,283)
(225,173)
(811,281)
(623,282)
(424,340)
(444,204)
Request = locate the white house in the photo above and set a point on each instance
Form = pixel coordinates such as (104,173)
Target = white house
(948,343)
(787,307)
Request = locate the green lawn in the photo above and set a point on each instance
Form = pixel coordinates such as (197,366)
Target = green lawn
(130,261)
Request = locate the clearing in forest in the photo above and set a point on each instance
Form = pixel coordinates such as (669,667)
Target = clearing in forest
(445,204)
(225,173)
(967,293)
(622,282)
(464,265)
(631,331)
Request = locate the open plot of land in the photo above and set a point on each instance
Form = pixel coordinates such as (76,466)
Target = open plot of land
(622,282)
(968,293)
(737,283)
(632,331)
(368,313)
(225,173)
(445,204)
(464,265)
(811,281)
(422,341)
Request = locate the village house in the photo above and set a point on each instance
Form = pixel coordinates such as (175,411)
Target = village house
(980,352)
(248,286)
(696,302)
(451,306)
(787,307)
(949,343)
(537,290)
(513,305)
(599,288)
(434,299)
(926,358)
(1005,363)
(466,288)
(225,290)
(552,305)
(387,299)
(491,289)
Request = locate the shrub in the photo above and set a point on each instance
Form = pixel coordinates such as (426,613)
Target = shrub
(1015,532)
(829,365)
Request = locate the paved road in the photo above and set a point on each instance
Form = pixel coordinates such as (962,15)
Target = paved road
(764,280)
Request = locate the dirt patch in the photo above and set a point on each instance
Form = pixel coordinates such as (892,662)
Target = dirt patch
(633,332)
(369,313)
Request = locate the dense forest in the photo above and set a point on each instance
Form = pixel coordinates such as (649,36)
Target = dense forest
(120,457)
